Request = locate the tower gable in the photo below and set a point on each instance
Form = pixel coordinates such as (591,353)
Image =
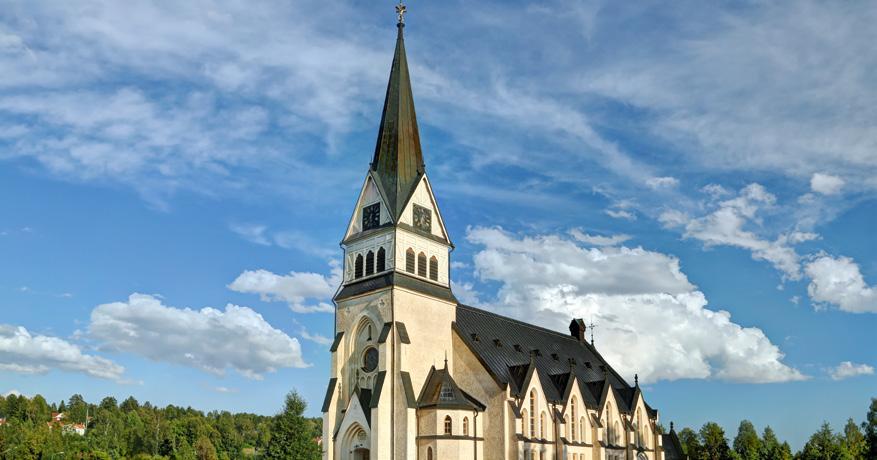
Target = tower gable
(369,195)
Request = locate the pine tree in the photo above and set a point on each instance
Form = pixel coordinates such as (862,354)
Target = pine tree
(853,444)
(715,445)
(291,436)
(869,426)
(771,449)
(747,444)
(690,443)
(823,445)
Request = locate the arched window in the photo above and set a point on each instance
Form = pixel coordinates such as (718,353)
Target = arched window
(409,260)
(369,263)
(448,424)
(532,413)
(433,268)
(639,429)
(357,267)
(572,428)
(617,433)
(542,425)
(382,261)
(582,437)
(465,426)
(421,265)
(429,453)
(525,418)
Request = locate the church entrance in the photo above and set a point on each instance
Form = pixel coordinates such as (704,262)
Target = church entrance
(361,454)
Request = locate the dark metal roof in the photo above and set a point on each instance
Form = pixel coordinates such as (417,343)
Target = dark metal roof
(672,447)
(330,390)
(439,380)
(398,161)
(398,279)
(336,342)
(512,350)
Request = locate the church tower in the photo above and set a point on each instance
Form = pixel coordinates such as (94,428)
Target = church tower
(395,309)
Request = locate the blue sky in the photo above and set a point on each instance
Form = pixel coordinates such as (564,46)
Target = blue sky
(698,179)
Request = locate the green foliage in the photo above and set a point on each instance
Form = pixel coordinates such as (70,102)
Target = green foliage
(292,434)
(747,445)
(690,443)
(713,442)
(144,432)
(852,443)
(823,445)
(869,426)
(771,449)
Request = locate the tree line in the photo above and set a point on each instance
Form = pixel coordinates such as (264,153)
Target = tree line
(132,430)
(853,442)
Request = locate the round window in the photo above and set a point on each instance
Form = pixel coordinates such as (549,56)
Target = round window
(370,360)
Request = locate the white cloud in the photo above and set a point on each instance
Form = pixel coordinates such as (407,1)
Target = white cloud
(826,184)
(658,183)
(598,240)
(253,233)
(620,214)
(316,338)
(640,299)
(838,281)
(222,389)
(212,340)
(847,370)
(11,392)
(25,353)
(729,222)
(295,289)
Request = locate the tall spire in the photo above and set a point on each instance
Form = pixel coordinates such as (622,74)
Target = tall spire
(398,160)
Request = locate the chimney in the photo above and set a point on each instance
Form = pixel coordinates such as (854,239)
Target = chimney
(577,329)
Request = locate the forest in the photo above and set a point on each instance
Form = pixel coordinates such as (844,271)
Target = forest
(132,430)
(852,442)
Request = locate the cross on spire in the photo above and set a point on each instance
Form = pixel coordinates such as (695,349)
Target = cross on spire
(591,327)
(401,9)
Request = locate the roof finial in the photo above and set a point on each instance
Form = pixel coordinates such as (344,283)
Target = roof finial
(446,359)
(671,426)
(401,9)
(636,379)
(591,327)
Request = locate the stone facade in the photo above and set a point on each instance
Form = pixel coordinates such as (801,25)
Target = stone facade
(416,375)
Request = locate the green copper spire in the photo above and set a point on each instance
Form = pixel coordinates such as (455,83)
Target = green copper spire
(398,162)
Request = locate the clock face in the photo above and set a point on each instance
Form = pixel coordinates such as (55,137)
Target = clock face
(371,216)
(370,360)
(422,218)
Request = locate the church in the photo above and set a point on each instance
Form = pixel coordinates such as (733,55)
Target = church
(416,375)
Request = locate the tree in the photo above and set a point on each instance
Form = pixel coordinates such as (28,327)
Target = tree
(823,445)
(771,449)
(129,405)
(747,444)
(852,444)
(869,426)
(715,445)
(690,443)
(291,436)
(204,449)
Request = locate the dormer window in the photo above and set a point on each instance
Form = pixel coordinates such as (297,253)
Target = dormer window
(371,216)
(447,394)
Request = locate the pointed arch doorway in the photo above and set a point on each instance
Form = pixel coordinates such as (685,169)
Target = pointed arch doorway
(361,454)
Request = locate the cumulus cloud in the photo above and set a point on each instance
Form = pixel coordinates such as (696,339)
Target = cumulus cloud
(838,281)
(640,298)
(209,339)
(296,288)
(729,224)
(26,353)
(658,183)
(598,240)
(620,214)
(826,184)
(847,370)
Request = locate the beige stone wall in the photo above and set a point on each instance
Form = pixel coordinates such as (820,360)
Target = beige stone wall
(471,376)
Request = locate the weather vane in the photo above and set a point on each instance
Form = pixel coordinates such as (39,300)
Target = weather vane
(401,9)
